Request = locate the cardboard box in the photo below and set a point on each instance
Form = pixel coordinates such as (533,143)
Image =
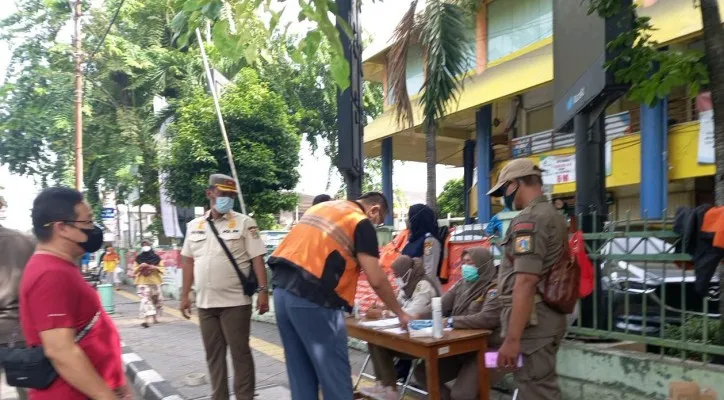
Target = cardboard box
(708,394)
(683,391)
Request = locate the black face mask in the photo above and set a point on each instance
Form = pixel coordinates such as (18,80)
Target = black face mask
(95,239)
(510,198)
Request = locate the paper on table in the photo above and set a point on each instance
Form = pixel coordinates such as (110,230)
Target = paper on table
(398,330)
(381,323)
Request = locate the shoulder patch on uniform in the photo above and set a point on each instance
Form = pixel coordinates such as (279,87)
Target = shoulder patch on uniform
(254,231)
(492,293)
(524,226)
(200,225)
(523,244)
(428,247)
(232,223)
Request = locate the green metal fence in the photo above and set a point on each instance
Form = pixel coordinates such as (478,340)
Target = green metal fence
(647,293)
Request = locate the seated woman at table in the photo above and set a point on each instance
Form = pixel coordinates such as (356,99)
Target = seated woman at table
(471,304)
(416,293)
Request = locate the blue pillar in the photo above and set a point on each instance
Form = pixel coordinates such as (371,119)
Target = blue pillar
(468,167)
(387,178)
(654,159)
(484,133)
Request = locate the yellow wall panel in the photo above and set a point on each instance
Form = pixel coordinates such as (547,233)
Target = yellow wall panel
(626,157)
(683,149)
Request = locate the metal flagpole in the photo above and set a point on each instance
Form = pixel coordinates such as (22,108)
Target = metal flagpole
(78,10)
(212,87)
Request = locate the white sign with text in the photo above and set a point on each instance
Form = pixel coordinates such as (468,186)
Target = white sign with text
(706,137)
(558,169)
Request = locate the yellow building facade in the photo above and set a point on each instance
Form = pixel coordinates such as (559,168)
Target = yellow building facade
(512,72)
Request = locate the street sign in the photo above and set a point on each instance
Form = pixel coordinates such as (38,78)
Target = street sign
(108,213)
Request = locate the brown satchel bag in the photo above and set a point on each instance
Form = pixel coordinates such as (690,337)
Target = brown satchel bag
(560,291)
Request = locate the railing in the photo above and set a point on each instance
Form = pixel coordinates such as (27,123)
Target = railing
(647,293)
(616,126)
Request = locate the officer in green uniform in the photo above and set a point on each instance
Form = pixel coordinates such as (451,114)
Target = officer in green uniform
(533,243)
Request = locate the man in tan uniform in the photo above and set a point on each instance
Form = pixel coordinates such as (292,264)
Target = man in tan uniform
(224,308)
(533,244)
(16,249)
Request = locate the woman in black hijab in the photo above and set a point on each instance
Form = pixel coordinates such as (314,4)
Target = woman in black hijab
(148,270)
(423,241)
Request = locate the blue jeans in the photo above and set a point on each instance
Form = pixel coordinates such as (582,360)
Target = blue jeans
(315,347)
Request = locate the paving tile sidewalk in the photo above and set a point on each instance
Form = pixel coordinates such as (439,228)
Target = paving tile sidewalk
(174,349)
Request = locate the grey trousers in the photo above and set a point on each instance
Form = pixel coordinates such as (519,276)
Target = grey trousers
(464,370)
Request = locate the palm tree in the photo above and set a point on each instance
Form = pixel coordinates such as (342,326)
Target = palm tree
(442,30)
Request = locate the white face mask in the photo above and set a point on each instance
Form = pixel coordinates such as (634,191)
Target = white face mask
(146,249)
(402,282)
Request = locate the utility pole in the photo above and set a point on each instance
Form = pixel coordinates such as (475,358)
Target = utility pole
(78,97)
(350,112)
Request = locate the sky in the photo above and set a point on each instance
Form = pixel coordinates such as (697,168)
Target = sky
(378,19)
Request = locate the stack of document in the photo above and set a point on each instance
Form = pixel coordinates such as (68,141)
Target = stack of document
(381,323)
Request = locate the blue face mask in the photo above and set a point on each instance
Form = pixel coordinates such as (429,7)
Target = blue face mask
(224,204)
(470,273)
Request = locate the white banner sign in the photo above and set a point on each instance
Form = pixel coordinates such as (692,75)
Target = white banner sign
(169,216)
(609,157)
(558,169)
(706,137)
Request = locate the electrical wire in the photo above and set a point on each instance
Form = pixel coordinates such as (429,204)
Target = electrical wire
(108,30)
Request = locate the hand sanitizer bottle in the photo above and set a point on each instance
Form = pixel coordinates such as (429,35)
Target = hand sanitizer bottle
(437,317)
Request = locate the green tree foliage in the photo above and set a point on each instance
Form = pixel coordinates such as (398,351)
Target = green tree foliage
(122,75)
(36,100)
(371,181)
(307,85)
(264,142)
(229,20)
(450,200)
(651,73)
(140,59)
(307,88)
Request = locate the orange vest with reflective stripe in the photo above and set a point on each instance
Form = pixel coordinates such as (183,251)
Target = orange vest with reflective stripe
(322,244)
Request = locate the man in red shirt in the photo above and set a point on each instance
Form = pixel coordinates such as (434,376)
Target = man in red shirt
(56,303)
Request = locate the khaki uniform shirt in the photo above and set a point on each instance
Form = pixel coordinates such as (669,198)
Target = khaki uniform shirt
(533,244)
(217,283)
(421,300)
(16,249)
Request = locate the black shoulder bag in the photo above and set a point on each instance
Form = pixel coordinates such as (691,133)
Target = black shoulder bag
(248,284)
(28,367)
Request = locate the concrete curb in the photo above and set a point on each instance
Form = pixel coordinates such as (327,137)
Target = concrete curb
(149,383)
